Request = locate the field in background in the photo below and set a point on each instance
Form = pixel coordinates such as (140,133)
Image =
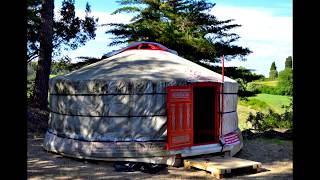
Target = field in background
(260,102)
(268,83)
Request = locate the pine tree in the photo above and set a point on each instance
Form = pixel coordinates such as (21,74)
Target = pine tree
(273,74)
(69,31)
(288,63)
(45,35)
(185,26)
(45,54)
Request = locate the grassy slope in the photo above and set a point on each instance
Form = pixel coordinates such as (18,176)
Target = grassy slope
(273,101)
(268,83)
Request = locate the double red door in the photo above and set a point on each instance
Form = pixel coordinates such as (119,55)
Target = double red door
(180,115)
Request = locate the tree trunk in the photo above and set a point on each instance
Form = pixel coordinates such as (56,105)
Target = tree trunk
(40,93)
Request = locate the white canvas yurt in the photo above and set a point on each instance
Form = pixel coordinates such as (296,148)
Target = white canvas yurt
(143,103)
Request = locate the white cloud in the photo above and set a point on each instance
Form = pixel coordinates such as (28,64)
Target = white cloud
(268,36)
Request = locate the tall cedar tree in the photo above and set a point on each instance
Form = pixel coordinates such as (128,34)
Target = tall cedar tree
(45,55)
(185,26)
(46,35)
(273,74)
(69,31)
(288,63)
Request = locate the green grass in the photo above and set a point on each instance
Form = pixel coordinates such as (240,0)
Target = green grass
(260,102)
(275,102)
(254,103)
(267,83)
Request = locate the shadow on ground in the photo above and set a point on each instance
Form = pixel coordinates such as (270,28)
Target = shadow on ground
(276,158)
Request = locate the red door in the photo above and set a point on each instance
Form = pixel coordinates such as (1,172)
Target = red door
(180,117)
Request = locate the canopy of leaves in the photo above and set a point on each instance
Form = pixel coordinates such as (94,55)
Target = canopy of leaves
(70,31)
(185,26)
(273,73)
(285,84)
(273,66)
(288,63)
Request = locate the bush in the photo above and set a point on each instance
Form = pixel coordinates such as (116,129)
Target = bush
(243,92)
(254,88)
(285,85)
(263,122)
(260,88)
(268,90)
(254,103)
(31,76)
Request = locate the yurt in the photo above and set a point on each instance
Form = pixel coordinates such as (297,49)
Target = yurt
(143,103)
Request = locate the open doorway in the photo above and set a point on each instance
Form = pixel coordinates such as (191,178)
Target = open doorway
(204,114)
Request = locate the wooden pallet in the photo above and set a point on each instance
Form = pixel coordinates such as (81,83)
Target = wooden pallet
(218,166)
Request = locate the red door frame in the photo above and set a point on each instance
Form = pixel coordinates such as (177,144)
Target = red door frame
(171,133)
(217,88)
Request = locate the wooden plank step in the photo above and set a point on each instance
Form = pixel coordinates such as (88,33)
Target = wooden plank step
(218,166)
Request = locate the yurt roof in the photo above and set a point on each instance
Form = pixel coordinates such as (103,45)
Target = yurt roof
(145,64)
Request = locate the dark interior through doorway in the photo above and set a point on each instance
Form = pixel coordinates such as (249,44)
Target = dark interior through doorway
(204,115)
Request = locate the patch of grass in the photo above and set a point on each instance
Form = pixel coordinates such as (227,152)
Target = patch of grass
(275,102)
(254,103)
(268,83)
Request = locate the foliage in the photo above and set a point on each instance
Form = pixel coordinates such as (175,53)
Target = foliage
(253,103)
(70,32)
(264,81)
(185,26)
(263,122)
(242,75)
(243,90)
(273,74)
(61,66)
(273,66)
(285,85)
(288,63)
(237,72)
(261,88)
(32,67)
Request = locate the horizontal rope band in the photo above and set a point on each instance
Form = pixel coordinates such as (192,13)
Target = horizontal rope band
(107,116)
(112,94)
(85,140)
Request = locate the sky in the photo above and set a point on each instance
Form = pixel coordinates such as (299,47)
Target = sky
(266,29)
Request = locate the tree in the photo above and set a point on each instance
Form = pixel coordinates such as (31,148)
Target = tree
(288,63)
(185,26)
(45,35)
(45,55)
(273,74)
(285,84)
(69,31)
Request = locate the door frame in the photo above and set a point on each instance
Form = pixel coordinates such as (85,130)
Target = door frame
(217,89)
(217,117)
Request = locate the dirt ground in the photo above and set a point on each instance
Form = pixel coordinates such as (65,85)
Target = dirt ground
(274,154)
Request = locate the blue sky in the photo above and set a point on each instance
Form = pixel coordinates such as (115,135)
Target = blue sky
(266,29)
